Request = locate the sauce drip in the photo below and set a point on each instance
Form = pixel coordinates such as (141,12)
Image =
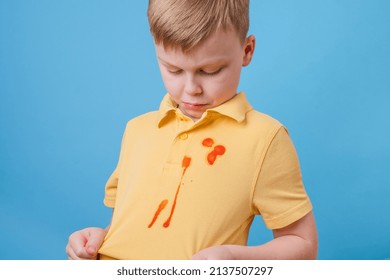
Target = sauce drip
(185,164)
(158,211)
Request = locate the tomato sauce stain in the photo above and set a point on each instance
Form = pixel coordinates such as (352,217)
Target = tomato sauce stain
(218,150)
(159,209)
(208,142)
(185,164)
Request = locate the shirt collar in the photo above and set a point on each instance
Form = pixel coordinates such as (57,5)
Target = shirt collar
(235,108)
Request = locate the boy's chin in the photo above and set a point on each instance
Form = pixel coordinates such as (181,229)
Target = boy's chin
(193,116)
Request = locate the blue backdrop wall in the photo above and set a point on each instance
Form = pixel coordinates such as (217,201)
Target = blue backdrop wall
(73,72)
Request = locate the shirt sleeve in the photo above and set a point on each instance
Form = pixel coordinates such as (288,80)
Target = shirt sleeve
(110,189)
(279,194)
(112,183)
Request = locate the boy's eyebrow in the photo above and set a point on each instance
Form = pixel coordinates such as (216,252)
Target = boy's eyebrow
(164,62)
(211,64)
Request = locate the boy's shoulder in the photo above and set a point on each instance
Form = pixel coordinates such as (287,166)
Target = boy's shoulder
(246,116)
(260,116)
(145,120)
(261,120)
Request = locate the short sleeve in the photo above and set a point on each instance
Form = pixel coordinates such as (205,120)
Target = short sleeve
(112,183)
(279,194)
(110,189)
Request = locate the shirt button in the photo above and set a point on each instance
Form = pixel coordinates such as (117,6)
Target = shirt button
(183,136)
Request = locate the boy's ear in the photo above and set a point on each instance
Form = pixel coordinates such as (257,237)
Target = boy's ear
(249,49)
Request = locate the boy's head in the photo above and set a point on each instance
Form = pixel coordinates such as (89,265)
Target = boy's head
(187,23)
(201,46)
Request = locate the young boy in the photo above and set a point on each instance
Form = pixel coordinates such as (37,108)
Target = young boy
(191,176)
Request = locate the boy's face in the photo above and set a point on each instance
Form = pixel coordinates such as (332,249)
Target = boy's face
(207,76)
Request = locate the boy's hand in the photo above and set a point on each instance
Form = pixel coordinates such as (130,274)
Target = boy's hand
(214,253)
(84,244)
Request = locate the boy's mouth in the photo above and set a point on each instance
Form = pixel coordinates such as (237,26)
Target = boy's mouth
(194,106)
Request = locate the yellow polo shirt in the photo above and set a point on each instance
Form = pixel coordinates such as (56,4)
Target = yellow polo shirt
(182,186)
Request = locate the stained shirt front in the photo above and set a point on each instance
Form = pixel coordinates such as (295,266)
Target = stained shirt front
(181,186)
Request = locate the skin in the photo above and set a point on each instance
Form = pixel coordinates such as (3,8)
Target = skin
(201,79)
(84,244)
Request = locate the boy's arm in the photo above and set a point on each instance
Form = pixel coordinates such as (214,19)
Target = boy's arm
(296,241)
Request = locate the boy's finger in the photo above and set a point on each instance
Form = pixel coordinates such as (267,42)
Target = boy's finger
(78,253)
(91,250)
(75,257)
(76,246)
(94,242)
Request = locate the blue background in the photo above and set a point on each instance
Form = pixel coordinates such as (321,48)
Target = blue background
(73,72)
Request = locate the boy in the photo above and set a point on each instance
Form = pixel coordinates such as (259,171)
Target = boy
(191,176)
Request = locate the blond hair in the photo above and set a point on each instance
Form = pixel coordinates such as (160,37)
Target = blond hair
(185,24)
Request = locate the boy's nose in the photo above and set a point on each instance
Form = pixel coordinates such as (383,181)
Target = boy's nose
(192,87)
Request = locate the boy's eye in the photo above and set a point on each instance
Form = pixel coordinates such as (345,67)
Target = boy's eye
(175,71)
(210,73)
(202,72)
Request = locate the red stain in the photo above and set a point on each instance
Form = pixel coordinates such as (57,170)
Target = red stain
(211,157)
(208,142)
(219,150)
(185,164)
(159,209)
